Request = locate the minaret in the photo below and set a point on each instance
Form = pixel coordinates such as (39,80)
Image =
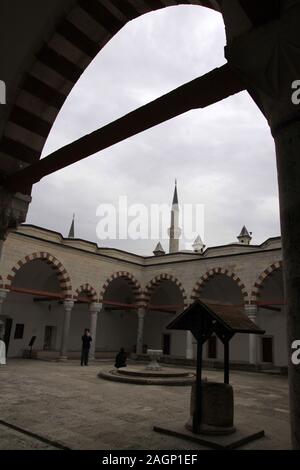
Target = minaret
(245,237)
(72,228)
(174,231)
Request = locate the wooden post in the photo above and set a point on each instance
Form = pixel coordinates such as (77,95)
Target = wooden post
(198,402)
(226,361)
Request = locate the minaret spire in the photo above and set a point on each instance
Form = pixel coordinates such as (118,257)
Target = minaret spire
(72,228)
(245,237)
(175,197)
(174,230)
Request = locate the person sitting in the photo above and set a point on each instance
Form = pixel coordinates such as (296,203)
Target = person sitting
(121,359)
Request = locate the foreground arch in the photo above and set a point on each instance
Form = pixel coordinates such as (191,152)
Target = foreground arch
(36,96)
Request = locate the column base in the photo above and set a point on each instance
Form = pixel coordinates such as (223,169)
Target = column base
(63,358)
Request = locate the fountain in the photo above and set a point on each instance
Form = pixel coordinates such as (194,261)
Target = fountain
(152,374)
(154,357)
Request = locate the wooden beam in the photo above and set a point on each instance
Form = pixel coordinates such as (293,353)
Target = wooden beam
(120,305)
(166,306)
(84,300)
(199,93)
(271,302)
(171,308)
(39,293)
(269,307)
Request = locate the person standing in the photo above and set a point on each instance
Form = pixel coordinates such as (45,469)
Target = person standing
(86,344)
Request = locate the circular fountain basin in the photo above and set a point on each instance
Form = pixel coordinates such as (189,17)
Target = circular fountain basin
(143,376)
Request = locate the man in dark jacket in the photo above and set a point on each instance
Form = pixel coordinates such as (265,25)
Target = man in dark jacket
(86,344)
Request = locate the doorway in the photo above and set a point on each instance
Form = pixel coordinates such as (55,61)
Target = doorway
(267,349)
(212,347)
(50,338)
(166,344)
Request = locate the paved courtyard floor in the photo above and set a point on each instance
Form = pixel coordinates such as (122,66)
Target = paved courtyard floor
(70,405)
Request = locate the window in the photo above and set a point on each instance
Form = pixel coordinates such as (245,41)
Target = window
(19,331)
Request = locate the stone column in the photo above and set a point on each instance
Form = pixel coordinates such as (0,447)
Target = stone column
(3,294)
(95,309)
(268,60)
(140,330)
(251,312)
(288,163)
(68,306)
(189,350)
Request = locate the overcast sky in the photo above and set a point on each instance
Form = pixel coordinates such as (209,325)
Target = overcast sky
(223,156)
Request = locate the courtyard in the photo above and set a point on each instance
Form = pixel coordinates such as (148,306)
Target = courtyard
(65,405)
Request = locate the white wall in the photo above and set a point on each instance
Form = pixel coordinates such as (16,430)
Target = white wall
(274,324)
(116,329)
(35,316)
(155,328)
(80,320)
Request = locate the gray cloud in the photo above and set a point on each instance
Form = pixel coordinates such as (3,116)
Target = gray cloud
(223,156)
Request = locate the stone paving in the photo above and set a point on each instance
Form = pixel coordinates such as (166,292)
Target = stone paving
(70,405)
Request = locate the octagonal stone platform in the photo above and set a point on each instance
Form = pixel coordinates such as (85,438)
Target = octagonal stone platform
(143,376)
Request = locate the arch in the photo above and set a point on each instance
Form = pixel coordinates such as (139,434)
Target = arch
(88,290)
(255,294)
(55,264)
(131,281)
(215,272)
(155,282)
(77,37)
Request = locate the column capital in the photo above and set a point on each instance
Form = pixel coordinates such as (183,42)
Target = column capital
(68,304)
(251,310)
(95,307)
